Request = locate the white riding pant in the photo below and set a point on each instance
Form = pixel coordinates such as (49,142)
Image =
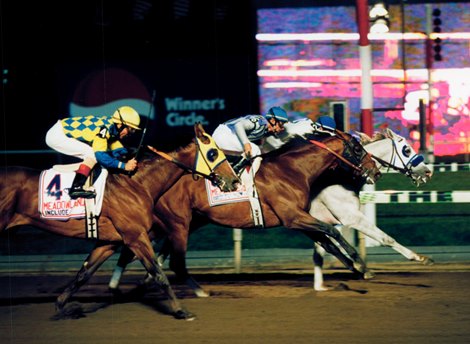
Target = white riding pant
(229,142)
(57,140)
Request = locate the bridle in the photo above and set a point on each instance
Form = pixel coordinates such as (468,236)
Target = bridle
(208,158)
(414,161)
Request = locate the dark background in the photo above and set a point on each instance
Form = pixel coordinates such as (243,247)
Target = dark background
(48,46)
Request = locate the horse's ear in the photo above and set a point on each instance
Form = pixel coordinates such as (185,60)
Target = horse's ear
(363,137)
(198,129)
(388,133)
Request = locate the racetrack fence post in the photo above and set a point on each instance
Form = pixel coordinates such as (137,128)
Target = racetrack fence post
(237,241)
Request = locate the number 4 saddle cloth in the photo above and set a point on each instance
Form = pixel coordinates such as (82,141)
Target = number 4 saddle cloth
(54,201)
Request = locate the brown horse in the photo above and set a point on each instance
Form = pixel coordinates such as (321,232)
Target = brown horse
(283,182)
(127,211)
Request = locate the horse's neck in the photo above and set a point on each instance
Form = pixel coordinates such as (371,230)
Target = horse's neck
(159,174)
(302,164)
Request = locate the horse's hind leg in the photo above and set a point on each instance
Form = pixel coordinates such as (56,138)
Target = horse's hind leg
(125,258)
(94,260)
(318,281)
(374,232)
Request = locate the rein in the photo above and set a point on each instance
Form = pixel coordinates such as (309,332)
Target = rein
(390,165)
(168,157)
(350,164)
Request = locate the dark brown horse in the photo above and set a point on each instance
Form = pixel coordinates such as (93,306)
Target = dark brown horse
(127,211)
(283,182)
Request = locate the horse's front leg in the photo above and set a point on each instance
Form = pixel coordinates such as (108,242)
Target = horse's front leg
(176,246)
(344,206)
(95,259)
(143,249)
(359,222)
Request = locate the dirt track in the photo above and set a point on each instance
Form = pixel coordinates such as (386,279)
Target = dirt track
(419,305)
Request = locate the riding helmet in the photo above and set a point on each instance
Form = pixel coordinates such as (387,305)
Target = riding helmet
(127,116)
(278,114)
(327,122)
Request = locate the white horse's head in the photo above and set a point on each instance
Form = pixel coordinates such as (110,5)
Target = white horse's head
(391,150)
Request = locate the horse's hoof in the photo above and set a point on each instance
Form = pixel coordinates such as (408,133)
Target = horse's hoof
(185,315)
(201,293)
(426,260)
(320,288)
(69,311)
(368,275)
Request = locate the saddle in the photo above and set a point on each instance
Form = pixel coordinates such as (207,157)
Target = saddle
(55,204)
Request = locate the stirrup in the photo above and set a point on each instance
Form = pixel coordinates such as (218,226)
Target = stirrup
(81,193)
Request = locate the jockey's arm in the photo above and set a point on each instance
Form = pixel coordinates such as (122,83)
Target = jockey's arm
(108,156)
(241,128)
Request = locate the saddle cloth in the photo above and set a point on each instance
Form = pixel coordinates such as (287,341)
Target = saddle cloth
(54,201)
(245,192)
(217,197)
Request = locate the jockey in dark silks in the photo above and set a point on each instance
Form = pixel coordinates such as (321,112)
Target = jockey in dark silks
(236,136)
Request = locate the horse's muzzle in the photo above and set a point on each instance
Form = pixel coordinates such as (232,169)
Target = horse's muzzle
(224,184)
(371,177)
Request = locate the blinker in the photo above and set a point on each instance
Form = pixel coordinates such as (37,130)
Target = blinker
(212,154)
(416,160)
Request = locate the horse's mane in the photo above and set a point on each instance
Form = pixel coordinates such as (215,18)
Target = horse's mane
(366,139)
(292,142)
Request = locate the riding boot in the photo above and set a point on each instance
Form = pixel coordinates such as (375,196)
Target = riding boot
(77,191)
(239,166)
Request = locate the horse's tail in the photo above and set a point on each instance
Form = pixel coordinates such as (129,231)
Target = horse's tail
(18,186)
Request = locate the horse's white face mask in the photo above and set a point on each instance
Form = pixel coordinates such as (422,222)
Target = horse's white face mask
(403,156)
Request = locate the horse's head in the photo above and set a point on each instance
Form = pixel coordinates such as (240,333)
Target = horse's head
(361,162)
(212,163)
(393,151)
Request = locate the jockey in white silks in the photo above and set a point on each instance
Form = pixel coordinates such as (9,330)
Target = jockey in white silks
(236,136)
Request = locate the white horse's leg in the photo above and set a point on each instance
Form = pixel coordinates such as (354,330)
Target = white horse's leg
(116,277)
(318,282)
(349,214)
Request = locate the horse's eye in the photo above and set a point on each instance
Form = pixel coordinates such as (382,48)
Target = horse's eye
(357,150)
(406,150)
(212,154)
